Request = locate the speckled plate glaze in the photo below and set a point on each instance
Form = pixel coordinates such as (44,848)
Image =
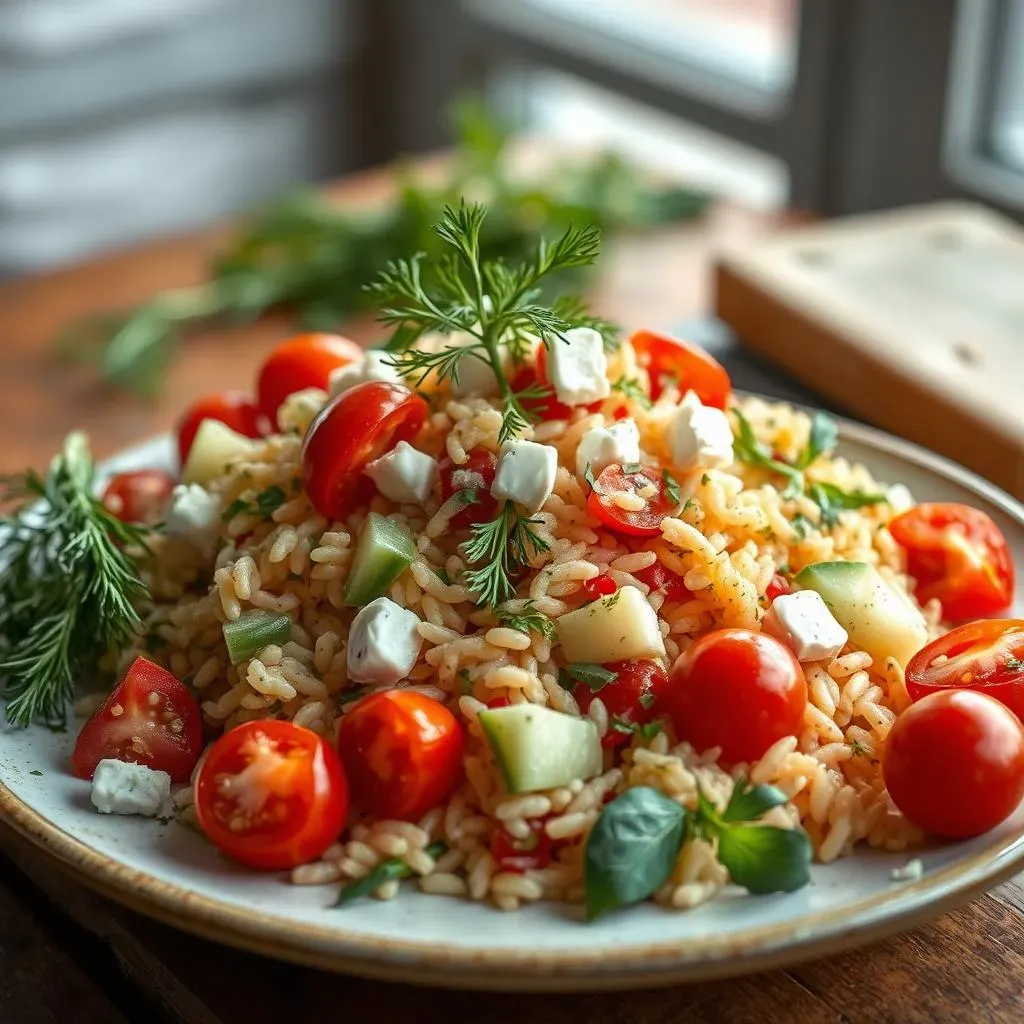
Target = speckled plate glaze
(170,873)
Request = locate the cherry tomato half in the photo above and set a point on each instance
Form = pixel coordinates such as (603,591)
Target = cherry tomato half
(644,522)
(305,361)
(358,426)
(271,795)
(139,496)
(985,656)
(958,555)
(659,577)
(777,586)
(149,718)
(521,855)
(476,474)
(402,751)
(232,408)
(738,690)
(630,697)
(954,763)
(668,359)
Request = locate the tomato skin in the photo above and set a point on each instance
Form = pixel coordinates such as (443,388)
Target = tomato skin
(232,408)
(631,697)
(403,753)
(546,407)
(358,426)
(293,790)
(643,523)
(659,577)
(695,370)
(777,586)
(738,690)
(954,763)
(149,718)
(519,855)
(477,474)
(139,496)
(958,555)
(304,361)
(599,586)
(990,653)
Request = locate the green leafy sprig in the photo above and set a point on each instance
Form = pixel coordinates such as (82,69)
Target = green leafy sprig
(393,869)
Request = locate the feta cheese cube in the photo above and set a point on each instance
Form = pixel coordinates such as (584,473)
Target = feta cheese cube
(526,473)
(299,409)
(194,516)
(383,643)
(404,475)
(804,624)
(376,365)
(578,367)
(122,788)
(698,436)
(603,446)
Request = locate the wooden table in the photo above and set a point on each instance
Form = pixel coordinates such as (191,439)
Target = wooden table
(66,954)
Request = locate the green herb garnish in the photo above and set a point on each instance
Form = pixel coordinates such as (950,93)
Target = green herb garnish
(264,505)
(671,487)
(394,869)
(1013,663)
(528,620)
(832,500)
(597,677)
(501,547)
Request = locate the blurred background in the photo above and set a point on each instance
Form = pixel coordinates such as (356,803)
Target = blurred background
(121,120)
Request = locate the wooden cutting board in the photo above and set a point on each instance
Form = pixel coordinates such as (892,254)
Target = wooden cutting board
(912,319)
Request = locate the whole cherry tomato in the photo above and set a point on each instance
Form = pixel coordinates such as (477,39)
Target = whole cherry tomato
(738,690)
(958,555)
(271,795)
(403,753)
(149,718)
(629,698)
(670,360)
(139,496)
(352,430)
(305,361)
(954,763)
(232,408)
(642,522)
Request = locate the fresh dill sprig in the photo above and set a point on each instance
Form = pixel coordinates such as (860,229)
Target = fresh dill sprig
(493,306)
(630,387)
(499,548)
(527,619)
(68,586)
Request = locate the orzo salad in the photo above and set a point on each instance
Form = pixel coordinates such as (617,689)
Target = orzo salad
(518,609)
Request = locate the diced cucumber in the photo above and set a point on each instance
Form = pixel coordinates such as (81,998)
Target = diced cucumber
(537,748)
(253,631)
(878,618)
(383,552)
(215,447)
(616,628)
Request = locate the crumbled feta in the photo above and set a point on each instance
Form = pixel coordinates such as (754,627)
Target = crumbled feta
(603,446)
(910,872)
(122,788)
(375,365)
(526,473)
(899,498)
(194,516)
(404,475)
(699,436)
(299,409)
(804,624)
(383,643)
(578,367)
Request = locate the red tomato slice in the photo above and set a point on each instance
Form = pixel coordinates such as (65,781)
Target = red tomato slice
(140,496)
(958,555)
(150,718)
(403,753)
(232,408)
(954,763)
(777,586)
(631,697)
(670,360)
(660,578)
(645,522)
(599,586)
(358,426)
(737,690)
(271,795)
(519,855)
(475,474)
(305,361)
(986,656)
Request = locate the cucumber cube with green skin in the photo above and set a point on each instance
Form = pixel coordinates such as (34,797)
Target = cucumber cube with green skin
(383,552)
(879,619)
(536,748)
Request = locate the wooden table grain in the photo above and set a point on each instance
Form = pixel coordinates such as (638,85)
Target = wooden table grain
(68,954)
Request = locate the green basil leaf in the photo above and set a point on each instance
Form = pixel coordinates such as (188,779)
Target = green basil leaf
(632,849)
(764,859)
(268,501)
(595,676)
(385,871)
(747,448)
(823,438)
(748,803)
(832,500)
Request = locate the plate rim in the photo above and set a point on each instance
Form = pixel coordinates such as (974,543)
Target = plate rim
(606,966)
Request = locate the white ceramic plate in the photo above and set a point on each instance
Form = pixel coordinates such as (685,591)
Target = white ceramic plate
(172,874)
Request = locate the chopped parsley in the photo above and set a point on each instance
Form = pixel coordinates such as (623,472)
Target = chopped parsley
(528,620)
(264,505)
(597,677)
(672,489)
